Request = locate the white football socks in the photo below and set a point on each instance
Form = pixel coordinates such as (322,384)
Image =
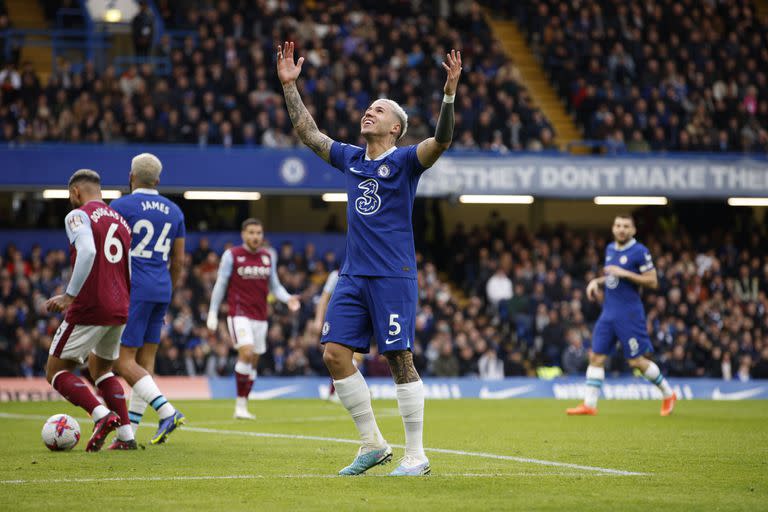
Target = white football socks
(356,398)
(595,378)
(136,408)
(410,401)
(148,390)
(125,432)
(99,412)
(653,374)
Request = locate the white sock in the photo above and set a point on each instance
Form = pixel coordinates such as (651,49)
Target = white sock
(243,368)
(241,402)
(99,412)
(355,396)
(125,432)
(410,401)
(148,390)
(653,374)
(595,378)
(136,408)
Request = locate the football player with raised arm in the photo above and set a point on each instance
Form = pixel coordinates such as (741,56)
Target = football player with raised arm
(376,295)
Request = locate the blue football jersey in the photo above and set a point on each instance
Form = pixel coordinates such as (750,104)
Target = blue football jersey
(155,223)
(380,196)
(622,295)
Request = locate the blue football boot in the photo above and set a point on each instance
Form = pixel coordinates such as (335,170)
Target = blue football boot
(168,425)
(365,461)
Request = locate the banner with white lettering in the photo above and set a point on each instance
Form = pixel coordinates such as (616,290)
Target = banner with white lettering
(292,171)
(567,388)
(586,177)
(564,388)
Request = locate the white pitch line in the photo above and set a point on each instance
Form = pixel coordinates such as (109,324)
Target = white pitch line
(484,455)
(312,419)
(266,477)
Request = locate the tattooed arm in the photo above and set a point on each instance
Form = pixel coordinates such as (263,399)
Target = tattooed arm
(306,128)
(429,150)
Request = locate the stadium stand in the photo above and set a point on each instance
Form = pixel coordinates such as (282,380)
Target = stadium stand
(222,89)
(657,75)
(519,306)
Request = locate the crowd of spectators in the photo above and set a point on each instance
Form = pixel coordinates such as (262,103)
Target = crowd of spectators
(508,302)
(223,88)
(677,75)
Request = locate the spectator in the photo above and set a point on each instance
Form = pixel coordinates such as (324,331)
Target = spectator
(499,287)
(575,358)
(490,366)
(446,364)
(143,30)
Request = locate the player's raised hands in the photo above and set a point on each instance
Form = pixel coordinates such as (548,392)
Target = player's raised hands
(452,66)
(287,70)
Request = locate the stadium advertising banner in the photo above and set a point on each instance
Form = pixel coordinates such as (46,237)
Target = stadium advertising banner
(268,388)
(300,171)
(520,387)
(583,177)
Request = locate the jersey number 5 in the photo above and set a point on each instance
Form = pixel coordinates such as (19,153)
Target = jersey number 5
(163,244)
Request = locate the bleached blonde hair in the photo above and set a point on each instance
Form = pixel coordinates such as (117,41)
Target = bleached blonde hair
(146,169)
(401,115)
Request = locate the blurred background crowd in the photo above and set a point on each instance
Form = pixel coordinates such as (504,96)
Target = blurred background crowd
(677,75)
(503,302)
(662,75)
(222,88)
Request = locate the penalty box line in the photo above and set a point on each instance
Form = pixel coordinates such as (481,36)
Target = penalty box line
(272,435)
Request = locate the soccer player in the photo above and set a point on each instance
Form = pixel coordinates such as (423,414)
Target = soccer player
(247,274)
(377,290)
(629,267)
(158,239)
(96,304)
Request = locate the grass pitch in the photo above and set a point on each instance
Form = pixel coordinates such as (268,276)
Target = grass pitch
(497,455)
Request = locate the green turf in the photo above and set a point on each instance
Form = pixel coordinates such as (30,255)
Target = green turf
(707,456)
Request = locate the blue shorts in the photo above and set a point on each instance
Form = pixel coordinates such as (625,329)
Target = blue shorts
(382,307)
(630,330)
(145,320)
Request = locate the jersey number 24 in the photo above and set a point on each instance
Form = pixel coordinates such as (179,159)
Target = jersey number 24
(163,244)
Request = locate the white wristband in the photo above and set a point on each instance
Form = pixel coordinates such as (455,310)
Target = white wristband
(449,98)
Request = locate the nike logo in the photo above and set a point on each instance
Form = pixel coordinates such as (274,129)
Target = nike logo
(487,394)
(389,342)
(355,170)
(736,395)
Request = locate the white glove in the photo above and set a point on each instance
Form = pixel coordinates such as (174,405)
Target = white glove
(212,322)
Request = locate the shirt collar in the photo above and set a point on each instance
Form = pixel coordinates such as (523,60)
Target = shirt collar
(629,244)
(381,156)
(150,191)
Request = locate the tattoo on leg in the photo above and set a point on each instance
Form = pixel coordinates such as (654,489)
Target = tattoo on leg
(401,365)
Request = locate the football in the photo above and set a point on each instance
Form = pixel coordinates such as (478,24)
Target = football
(61,432)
